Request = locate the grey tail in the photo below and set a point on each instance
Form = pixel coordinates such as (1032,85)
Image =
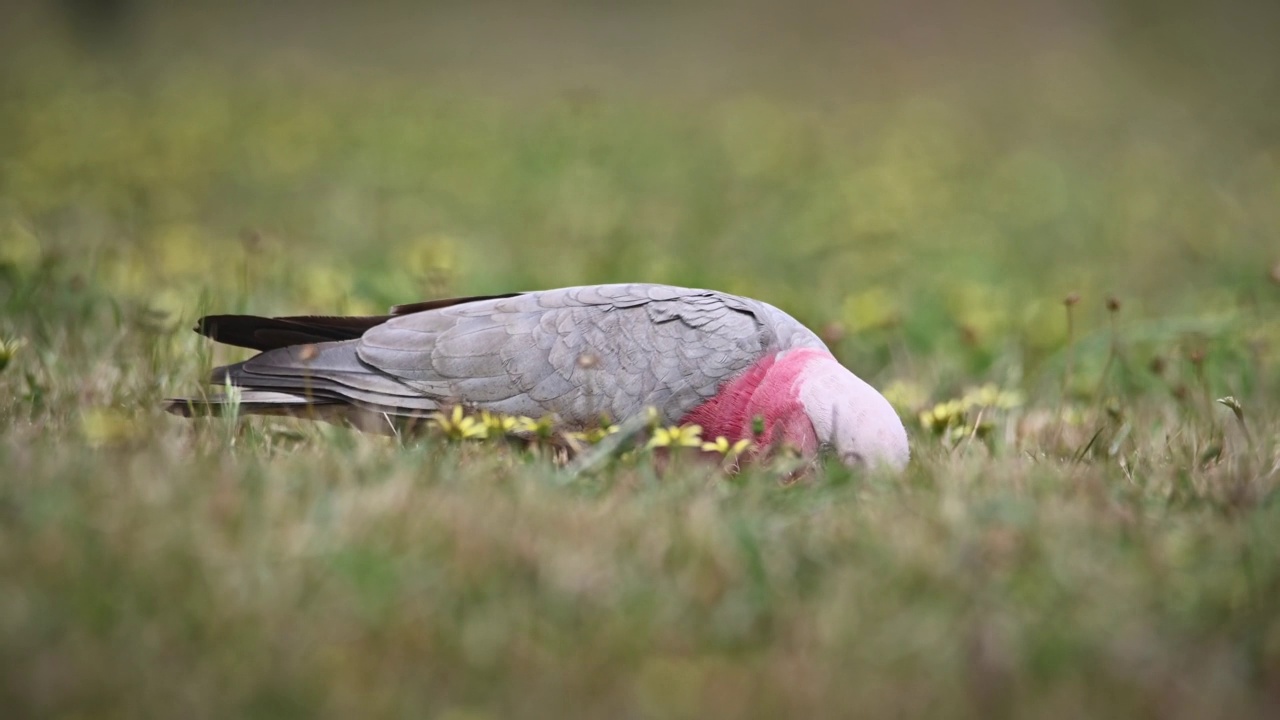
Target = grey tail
(267,333)
(256,402)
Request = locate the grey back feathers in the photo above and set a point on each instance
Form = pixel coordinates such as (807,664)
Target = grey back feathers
(580,352)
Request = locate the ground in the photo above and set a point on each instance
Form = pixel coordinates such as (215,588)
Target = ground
(1054,248)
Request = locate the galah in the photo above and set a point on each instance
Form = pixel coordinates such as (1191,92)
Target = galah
(739,368)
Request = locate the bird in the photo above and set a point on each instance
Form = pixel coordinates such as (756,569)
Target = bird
(739,368)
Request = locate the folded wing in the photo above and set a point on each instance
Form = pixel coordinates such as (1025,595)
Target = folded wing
(580,353)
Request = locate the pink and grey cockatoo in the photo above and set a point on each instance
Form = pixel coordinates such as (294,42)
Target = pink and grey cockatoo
(738,367)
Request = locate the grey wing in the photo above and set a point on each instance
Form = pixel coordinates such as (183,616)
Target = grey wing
(580,353)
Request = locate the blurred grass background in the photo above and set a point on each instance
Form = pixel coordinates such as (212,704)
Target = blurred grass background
(924,183)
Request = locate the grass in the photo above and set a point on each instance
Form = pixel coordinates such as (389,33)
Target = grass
(1092,534)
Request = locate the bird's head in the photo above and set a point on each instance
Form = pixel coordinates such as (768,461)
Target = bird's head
(850,418)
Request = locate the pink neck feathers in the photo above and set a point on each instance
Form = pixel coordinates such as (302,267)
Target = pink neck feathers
(769,390)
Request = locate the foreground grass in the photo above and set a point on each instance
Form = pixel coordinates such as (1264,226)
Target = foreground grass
(192,576)
(188,574)
(1107,542)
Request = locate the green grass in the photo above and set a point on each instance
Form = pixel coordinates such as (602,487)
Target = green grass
(1107,546)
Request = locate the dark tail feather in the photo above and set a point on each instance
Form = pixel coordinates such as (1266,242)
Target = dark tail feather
(264,333)
(410,308)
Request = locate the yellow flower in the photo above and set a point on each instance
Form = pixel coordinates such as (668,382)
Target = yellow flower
(1009,399)
(543,427)
(904,395)
(498,424)
(984,396)
(457,426)
(726,448)
(106,426)
(991,396)
(594,435)
(9,348)
(676,436)
(942,416)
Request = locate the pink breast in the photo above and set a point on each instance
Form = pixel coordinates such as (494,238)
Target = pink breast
(769,389)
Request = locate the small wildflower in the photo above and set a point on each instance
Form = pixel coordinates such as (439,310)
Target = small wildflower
(1072,298)
(595,435)
(106,426)
(543,427)
(459,426)
(990,395)
(942,416)
(1010,399)
(904,394)
(8,349)
(1113,303)
(726,448)
(984,396)
(498,424)
(1114,409)
(676,436)
(981,430)
(968,415)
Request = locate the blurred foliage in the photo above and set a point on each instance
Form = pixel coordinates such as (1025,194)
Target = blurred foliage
(1083,530)
(942,222)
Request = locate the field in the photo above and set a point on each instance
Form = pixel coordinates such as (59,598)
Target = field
(1055,247)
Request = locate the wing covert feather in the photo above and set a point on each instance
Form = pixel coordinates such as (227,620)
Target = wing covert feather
(577,352)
